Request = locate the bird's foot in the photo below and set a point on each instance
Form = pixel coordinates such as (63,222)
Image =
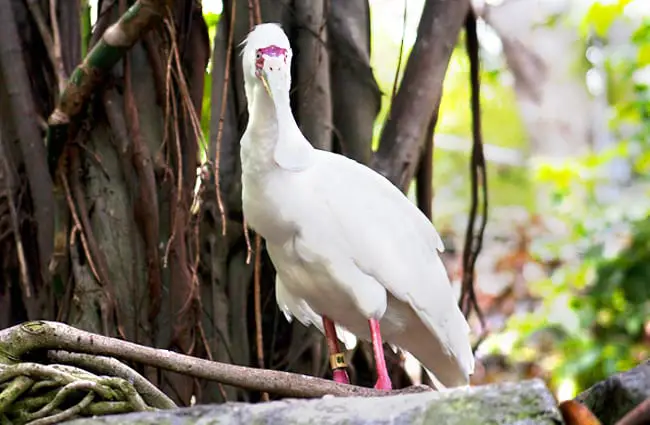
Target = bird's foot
(383,383)
(340,376)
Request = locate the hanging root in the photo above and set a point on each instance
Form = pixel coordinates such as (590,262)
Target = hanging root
(222,115)
(259,338)
(474,242)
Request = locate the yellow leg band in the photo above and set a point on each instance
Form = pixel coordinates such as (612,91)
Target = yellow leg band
(337,361)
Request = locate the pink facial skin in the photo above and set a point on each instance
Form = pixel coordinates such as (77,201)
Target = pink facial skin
(269,51)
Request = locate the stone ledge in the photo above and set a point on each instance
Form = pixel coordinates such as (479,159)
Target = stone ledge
(523,403)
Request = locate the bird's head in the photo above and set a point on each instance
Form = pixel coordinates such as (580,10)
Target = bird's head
(267,59)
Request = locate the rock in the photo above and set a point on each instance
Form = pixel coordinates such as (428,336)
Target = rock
(612,398)
(523,403)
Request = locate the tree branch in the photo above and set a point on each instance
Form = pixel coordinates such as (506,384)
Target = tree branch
(402,140)
(115,41)
(42,335)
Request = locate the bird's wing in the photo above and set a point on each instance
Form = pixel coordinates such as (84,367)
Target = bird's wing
(389,239)
(295,307)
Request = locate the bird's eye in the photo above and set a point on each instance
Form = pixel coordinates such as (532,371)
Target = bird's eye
(258,55)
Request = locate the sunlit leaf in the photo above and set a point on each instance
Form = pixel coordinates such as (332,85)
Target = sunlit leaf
(600,17)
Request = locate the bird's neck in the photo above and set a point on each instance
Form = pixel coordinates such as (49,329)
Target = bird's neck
(274,138)
(265,114)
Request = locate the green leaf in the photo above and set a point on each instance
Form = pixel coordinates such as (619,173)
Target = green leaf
(601,15)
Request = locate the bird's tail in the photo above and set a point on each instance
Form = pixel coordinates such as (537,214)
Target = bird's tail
(449,369)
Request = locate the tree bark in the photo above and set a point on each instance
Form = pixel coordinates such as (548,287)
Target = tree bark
(312,86)
(356,98)
(30,137)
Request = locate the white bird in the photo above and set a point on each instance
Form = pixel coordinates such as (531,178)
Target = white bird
(348,247)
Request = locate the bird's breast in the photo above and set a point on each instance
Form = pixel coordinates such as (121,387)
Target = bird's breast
(265,208)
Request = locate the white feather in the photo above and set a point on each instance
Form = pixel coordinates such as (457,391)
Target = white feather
(345,242)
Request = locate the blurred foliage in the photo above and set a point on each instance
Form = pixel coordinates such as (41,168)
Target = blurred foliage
(593,314)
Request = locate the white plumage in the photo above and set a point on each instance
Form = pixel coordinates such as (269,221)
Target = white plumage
(345,242)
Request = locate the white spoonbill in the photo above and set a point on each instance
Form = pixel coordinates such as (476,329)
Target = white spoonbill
(349,248)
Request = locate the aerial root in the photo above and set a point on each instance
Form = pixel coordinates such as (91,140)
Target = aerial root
(37,394)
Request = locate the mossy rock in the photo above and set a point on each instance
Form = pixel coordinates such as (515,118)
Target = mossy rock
(523,403)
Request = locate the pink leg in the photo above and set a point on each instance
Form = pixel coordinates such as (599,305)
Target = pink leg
(339,374)
(383,381)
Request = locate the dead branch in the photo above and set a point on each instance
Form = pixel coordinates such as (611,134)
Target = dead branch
(28,337)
